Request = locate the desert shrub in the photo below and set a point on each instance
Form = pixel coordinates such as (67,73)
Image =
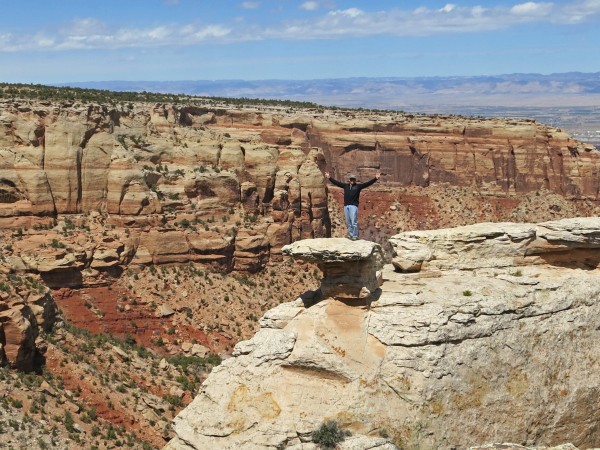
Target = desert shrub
(329,434)
(57,244)
(173,400)
(194,363)
(68,422)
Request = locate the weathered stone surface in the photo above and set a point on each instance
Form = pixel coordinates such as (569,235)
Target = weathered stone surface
(279,316)
(498,155)
(251,248)
(214,192)
(448,358)
(508,446)
(366,442)
(212,247)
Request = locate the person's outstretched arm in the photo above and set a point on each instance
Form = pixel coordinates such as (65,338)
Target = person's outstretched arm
(336,182)
(370,182)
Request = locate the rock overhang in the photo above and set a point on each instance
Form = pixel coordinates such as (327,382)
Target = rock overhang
(572,242)
(332,250)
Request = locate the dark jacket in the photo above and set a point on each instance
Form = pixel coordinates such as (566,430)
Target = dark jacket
(352,192)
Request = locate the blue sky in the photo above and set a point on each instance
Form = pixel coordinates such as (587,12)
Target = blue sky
(54,41)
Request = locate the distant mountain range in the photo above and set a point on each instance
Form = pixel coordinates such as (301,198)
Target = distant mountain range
(520,89)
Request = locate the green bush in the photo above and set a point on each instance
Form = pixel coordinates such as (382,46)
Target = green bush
(16,403)
(173,400)
(68,422)
(57,244)
(329,434)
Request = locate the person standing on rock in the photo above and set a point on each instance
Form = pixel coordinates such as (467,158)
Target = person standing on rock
(351,195)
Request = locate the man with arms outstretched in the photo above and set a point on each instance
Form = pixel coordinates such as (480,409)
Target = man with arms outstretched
(351,195)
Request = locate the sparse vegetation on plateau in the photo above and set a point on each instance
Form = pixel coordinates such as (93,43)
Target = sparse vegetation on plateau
(125,99)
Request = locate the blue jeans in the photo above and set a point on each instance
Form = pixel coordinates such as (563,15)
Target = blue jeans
(351,213)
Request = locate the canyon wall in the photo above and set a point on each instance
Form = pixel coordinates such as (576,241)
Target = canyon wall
(91,194)
(493,156)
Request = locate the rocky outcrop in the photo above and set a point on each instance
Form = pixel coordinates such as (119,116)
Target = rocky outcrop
(26,309)
(494,156)
(491,337)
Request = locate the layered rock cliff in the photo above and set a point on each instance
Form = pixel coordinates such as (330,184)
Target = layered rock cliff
(494,156)
(484,333)
(186,191)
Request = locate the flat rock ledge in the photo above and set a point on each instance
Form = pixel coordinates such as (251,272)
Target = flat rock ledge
(574,242)
(351,269)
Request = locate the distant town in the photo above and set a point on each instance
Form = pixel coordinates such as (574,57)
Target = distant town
(582,122)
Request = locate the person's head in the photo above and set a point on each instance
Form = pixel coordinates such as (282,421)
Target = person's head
(352,178)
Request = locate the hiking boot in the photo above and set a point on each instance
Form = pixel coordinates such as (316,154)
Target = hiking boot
(354,238)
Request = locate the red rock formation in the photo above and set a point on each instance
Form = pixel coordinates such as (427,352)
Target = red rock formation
(494,156)
(26,309)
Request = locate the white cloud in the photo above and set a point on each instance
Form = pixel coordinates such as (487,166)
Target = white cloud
(158,34)
(350,12)
(532,9)
(86,25)
(478,11)
(448,8)
(309,6)
(212,31)
(580,11)
(44,42)
(187,29)
(250,5)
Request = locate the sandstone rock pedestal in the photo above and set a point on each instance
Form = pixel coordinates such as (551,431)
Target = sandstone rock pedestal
(350,268)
